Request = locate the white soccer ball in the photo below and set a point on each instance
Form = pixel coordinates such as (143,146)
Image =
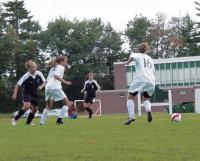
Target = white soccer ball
(176,117)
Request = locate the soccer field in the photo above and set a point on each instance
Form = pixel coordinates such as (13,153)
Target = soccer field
(102,139)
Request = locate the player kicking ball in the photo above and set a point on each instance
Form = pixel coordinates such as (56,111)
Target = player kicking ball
(144,82)
(53,89)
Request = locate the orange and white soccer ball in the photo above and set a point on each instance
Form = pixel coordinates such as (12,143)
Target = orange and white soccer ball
(176,117)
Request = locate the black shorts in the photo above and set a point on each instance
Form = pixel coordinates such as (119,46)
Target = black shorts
(89,99)
(34,100)
(145,94)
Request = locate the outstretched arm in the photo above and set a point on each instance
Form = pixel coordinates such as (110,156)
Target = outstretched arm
(128,61)
(62,80)
(14,96)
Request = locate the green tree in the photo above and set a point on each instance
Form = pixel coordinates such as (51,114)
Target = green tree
(138,30)
(18,42)
(188,32)
(16,14)
(24,32)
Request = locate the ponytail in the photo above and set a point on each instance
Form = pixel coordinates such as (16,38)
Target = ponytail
(51,63)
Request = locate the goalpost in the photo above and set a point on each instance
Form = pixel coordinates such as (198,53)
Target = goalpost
(97,111)
(197,101)
(169,103)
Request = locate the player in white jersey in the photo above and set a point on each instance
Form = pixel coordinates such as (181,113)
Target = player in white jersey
(53,89)
(144,82)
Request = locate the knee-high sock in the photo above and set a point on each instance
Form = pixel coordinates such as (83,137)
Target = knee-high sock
(19,114)
(147,105)
(63,112)
(87,109)
(130,107)
(44,115)
(30,117)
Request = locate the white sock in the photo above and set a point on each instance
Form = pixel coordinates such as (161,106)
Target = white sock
(44,116)
(147,105)
(130,107)
(63,112)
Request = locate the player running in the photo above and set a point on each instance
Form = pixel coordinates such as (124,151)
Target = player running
(31,82)
(90,86)
(53,88)
(144,82)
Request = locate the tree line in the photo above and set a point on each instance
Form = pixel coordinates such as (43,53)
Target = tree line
(90,44)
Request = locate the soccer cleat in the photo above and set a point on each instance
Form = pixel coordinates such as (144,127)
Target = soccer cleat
(59,122)
(128,122)
(149,116)
(13,122)
(42,123)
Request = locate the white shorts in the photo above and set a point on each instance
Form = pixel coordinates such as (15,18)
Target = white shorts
(54,94)
(140,86)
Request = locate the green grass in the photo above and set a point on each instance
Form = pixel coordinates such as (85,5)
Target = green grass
(102,139)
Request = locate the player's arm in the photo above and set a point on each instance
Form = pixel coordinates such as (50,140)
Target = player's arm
(43,81)
(129,61)
(14,96)
(62,80)
(132,57)
(83,88)
(58,73)
(42,85)
(97,85)
(19,83)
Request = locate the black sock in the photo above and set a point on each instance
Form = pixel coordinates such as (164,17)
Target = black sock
(90,113)
(88,110)
(59,119)
(19,114)
(30,118)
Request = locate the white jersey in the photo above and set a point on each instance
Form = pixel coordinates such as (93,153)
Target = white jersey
(53,83)
(145,70)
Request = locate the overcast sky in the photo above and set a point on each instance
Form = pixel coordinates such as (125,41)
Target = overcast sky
(117,12)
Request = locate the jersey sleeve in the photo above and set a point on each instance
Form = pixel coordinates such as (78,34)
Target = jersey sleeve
(22,79)
(59,71)
(97,85)
(41,76)
(134,56)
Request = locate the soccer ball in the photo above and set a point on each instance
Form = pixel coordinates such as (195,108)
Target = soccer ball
(176,117)
(72,116)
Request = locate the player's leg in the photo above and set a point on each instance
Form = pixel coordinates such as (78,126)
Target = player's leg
(131,107)
(148,90)
(90,109)
(26,105)
(34,105)
(147,106)
(133,90)
(46,111)
(66,104)
(31,115)
(49,104)
(87,106)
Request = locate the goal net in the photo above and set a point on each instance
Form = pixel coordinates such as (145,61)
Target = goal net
(96,108)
